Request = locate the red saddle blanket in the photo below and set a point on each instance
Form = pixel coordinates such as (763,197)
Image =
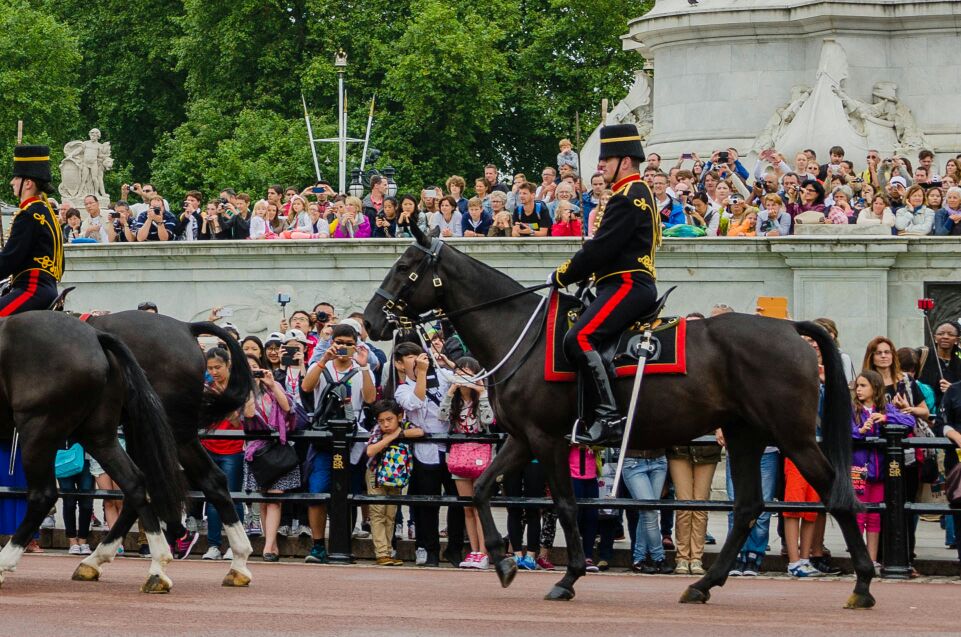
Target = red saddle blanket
(669,340)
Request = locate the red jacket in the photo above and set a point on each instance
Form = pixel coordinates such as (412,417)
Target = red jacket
(570,229)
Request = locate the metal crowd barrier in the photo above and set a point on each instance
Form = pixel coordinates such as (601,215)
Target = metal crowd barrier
(895,510)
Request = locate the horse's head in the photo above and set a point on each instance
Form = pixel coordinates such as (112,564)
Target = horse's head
(411,288)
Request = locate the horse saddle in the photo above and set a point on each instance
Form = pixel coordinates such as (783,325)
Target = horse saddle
(667,356)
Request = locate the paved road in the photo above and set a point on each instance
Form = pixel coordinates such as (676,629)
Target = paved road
(297,599)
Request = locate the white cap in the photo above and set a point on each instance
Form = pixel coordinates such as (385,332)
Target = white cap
(296,335)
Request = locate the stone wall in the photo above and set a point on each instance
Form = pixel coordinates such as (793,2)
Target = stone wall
(869,285)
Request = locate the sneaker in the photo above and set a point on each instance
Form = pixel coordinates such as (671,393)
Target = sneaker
(683,567)
(752,565)
(803,568)
(144,550)
(420,556)
(318,555)
(284,530)
(120,551)
(304,530)
(213,553)
(545,564)
(603,565)
(254,529)
(399,531)
(360,534)
(823,564)
(186,543)
(228,555)
(646,567)
(738,569)
(85,549)
(411,534)
(638,567)
(33,547)
(191,524)
(662,567)
(482,562)
(384,561)
(271,557)
(709,539)
(591,567)
(49,522)
(526,562)
(697,568)
(74,550)
(468,561)
(877,569)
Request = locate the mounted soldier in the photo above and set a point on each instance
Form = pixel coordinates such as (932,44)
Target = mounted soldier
(33,255)
(620,258)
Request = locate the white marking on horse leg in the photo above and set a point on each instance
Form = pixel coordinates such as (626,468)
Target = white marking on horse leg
(239,546)
(9,557)
(105,552)
(160,554)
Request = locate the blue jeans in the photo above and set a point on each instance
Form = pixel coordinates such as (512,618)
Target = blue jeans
(645,480)
(757,540)
(233,466)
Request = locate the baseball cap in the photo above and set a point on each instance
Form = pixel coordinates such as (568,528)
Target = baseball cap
(275,337)
(354,324)
(898,181)
(296,335)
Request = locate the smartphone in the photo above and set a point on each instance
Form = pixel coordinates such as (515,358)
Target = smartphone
(283,299)
(226,311)
(287,358)
(259,373)
(687,156)
(317,190)
(773,306)
(342,351)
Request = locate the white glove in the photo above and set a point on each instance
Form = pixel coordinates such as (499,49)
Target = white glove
(552,281)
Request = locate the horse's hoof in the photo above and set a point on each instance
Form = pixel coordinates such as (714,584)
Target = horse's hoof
(559,594)
(861,601)
(157,584)
(506,570)
(694,596)
(236,579)
(85,573)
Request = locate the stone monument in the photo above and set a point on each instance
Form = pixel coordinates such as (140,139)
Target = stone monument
(802,74)
(82,169)
(637,107)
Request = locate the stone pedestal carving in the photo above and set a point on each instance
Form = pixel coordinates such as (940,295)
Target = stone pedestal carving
(637,107)
(730,72)
(82,169)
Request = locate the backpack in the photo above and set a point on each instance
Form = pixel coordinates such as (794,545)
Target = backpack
(394,466)
(334,403)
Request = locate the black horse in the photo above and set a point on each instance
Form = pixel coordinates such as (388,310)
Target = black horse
(62,379)
(750,375)
(167,350)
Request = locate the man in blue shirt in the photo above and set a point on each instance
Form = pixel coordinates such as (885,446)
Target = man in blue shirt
(671,211)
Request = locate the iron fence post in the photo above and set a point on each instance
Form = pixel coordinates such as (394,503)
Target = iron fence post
(895,526)
(338,509)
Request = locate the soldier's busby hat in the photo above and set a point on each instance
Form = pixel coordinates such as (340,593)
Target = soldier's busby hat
(621,140)
(32,162)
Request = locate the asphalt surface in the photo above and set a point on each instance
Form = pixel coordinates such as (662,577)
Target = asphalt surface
(297,599)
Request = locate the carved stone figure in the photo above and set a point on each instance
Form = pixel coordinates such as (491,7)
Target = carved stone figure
(781,119)
(82,169)
(888,112)
(637,108)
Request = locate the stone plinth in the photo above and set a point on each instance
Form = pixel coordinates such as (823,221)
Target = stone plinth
(722,68)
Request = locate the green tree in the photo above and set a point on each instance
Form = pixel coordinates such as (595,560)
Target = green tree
(38,70)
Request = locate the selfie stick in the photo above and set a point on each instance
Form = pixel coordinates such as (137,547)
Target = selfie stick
(310,136)
(926,305)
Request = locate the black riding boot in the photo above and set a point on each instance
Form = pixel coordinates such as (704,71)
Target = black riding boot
(607,427)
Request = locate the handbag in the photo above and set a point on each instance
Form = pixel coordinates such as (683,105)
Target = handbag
(69,462)
(468,459)
(952,487)
(273,461)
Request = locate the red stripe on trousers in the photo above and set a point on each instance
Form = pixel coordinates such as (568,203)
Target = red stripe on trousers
(24,297)
(600,317)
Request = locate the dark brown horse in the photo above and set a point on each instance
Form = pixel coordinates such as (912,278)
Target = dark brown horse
(167,350)
(60,379)
(752,376)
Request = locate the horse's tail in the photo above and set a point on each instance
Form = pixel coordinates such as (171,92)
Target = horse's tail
(835,418)
(150,441)
(215,406)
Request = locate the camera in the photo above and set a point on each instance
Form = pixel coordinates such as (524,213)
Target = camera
(323,317)
(925,305)
(734,199)
(287,358)
(156,210)
(723,157)
(382,215)
(259,373)
(342,351)
(223,201)
(114,214)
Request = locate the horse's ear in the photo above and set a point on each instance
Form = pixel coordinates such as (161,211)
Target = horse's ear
(418,234)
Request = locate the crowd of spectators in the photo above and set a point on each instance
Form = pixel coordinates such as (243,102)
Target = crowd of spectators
(717,197)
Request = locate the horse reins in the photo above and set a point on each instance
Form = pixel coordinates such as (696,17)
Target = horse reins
(427,266)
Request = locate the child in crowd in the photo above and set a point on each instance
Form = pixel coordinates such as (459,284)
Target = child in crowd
(567,156)
(583,465)
(389,466)
(468,410)
(566,223)
(871,412)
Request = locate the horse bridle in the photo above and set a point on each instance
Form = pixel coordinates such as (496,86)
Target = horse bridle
(396,304)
